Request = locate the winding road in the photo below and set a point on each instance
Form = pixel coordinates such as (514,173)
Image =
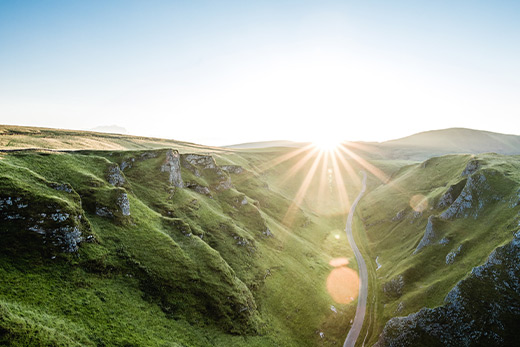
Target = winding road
(353,334)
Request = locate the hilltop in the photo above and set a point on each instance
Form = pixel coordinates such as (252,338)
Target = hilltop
(450,141)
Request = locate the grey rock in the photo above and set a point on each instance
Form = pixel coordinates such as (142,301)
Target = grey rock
(267,233)
(481,310)
(225,184)
(400,215)
(447,198)
(429,235)
(59,217)
(173,167)
(450,258)
(234,169)
(126,164)
(124,204)
(204,161)
(444,241)
(472,166)
(394,287)
(471,199)
(198,188)
(65,187)
(115,176)
(241,241)
(103,211)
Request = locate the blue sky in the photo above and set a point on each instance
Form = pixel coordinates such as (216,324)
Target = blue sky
(221,72)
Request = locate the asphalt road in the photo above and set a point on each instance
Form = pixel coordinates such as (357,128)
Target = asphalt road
(353,334)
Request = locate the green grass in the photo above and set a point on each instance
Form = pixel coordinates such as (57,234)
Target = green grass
(195,270)
(426,275)
(144,281)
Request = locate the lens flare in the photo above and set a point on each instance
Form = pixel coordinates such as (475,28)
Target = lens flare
(419,203)
(343,285)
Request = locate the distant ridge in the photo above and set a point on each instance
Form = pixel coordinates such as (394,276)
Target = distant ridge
(112,129)
(266,144)
(452,140)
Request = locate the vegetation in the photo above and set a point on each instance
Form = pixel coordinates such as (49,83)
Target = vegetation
(183,268)
(396,218)
(101,247)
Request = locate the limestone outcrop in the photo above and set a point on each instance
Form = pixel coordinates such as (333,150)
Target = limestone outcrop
(461,322)
(173,167)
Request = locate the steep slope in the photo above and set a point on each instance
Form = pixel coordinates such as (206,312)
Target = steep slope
(432,225)
(159,248)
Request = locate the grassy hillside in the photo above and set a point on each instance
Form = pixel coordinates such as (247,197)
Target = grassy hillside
(103,247)
(433,223)
(113,239)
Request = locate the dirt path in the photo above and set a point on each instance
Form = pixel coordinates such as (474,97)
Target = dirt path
(353,334)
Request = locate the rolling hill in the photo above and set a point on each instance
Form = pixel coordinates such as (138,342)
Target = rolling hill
(120,240)
(450,141)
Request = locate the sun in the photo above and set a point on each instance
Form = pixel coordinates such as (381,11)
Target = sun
(327,144)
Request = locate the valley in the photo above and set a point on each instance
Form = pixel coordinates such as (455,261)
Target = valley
(120,240)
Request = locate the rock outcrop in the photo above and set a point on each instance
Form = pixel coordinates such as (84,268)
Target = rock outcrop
(205,166)
(115,176)
(58,228)
(394,287)
(495,286)
(429,235)
(198,188)
(64,187)
(173,167)
(451,194)
(234,169)
(197,162)
(124,204)
(471,199)
(472,166)
(450,257)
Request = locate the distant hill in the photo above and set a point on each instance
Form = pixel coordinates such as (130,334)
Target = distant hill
(266,144)
(113,129)
(447,141)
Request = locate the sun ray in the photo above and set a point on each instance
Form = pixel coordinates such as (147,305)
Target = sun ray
(287,175)
(285,157)
(341,188)
(350,170)
(323,177)
(371,168)
(291,211)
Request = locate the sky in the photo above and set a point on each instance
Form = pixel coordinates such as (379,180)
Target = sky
(226,72)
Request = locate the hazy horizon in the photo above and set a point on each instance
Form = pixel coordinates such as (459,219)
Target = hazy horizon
(229,73)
